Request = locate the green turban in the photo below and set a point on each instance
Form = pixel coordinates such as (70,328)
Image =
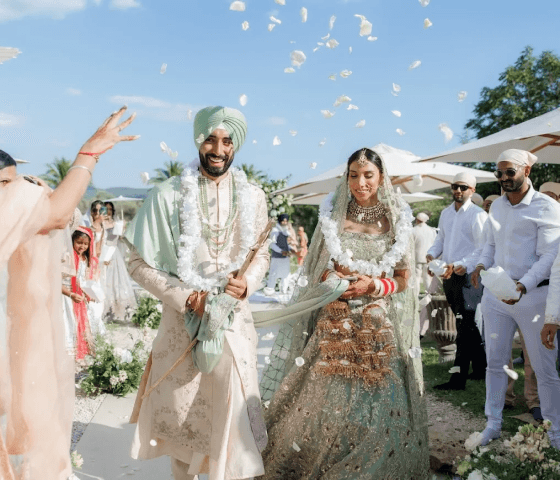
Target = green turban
(210,118)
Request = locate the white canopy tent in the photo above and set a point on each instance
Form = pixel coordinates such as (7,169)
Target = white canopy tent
(540,135)
(317,198)
(121,198)
(405,172)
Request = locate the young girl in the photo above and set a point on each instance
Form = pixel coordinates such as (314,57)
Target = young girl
(86,268)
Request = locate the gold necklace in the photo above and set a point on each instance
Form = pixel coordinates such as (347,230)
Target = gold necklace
(364,215)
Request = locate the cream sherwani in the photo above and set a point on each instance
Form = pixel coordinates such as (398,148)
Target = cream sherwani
(212,423)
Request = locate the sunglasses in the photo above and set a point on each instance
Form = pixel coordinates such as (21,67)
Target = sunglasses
(456,186)
(510,172)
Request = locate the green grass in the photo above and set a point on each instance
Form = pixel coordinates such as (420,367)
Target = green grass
(475,393)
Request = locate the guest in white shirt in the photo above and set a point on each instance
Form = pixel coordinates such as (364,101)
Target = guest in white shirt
(488,202)
(523,236)
(424,237)
(460,235)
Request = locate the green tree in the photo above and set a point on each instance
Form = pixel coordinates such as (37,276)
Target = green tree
(527,89)
(56,171)
(172,169)
(254,175)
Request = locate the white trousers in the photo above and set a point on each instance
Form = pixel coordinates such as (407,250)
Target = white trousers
(500,322)
(422,277)
(279,269)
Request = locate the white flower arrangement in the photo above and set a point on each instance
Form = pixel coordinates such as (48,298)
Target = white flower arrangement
(403,231)
(191,224)
(124,355)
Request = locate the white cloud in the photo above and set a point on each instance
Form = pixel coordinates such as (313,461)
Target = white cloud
(14,9)
(158,109)
(73,91)
(9,120)
(123,4)
(276,121)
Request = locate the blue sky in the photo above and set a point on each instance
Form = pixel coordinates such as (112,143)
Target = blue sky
(81,59)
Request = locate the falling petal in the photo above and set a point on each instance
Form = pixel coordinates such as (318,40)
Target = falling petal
(335,331)
(163,68)
(415,64)
(447,132)
(275,20)
(332,77)
(302,280)
(243,100)
(200,138)
(331,22)
(164,147)
(153,442)
(268,336)
(455,370)
(298,58)
(237,6)
(315,49)
(320,44)
(293,133)
(271,26)
(289,70)
(342,99)
(306,334)
(361,124)
(424,3)
(350,50)
(276,141)
(345,73)
(427,23)
(461,96)
(313,165)
(425,301)
(326,37)
(245,25)
(296,447)
(173,155)
(145,176)
(280,2)
(396,87)
(536,318)
(512,373)
(494,336)
(352,107)
(327,113)
(267,360)
(346,326)
(322,142)
(415,352)
(303,14)
(371,38)
(332,43)
(365,26)
(434,313)
(417,180)
(396,113)
(254,142)
(300,361)
(400,132)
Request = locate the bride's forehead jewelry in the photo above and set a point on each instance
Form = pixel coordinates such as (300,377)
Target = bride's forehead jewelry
(362,159)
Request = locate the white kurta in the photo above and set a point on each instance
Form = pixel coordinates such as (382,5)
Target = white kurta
(212,422)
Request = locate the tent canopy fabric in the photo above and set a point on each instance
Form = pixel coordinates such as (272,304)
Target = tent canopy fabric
(540,135)
(317,198)
(120,198)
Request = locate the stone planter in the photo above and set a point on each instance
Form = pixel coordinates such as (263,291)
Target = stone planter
(443,328)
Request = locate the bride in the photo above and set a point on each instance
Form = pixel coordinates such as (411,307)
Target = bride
(344,387)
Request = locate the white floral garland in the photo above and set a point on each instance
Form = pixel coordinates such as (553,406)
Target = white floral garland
(403,231)
(191,226)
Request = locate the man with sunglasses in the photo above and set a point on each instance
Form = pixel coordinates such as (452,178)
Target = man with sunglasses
(460,236)
(522,237)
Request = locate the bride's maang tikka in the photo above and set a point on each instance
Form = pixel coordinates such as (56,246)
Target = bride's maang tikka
(362,159)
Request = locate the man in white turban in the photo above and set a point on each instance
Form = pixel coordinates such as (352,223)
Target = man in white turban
(424,237)
(189,238)
(460,235)
(552,189)
(522,237)
(488,202)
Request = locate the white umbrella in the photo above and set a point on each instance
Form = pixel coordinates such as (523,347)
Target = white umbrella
(540,135)
(317,198)
(7,53)
(120,198)
(404,170)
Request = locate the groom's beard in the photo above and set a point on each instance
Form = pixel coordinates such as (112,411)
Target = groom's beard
(215,171)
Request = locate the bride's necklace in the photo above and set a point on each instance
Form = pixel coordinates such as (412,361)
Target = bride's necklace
(365,215)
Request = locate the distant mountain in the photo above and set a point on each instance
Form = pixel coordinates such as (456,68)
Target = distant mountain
(141,193)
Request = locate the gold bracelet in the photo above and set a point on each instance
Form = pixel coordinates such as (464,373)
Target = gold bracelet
(81,166)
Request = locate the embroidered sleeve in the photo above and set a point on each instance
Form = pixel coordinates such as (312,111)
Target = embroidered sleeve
(167,288)
(257,270)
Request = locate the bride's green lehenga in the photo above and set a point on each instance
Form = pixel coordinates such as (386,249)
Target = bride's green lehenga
(355,409)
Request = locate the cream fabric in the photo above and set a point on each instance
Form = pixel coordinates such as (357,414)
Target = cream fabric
(465,177)
(518,157)
(207,421)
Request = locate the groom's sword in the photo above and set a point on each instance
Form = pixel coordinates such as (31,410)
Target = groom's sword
(248,260)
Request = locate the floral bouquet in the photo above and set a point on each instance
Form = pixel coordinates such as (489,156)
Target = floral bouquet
(114,370)
(148,313)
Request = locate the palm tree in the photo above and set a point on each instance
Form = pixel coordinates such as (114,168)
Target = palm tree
(56,171)
(253,174)
(172,169)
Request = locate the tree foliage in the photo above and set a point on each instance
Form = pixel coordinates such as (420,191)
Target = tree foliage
(172,168)
(527,89)
(56,172)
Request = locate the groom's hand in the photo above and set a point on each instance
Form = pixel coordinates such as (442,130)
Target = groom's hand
(236,287)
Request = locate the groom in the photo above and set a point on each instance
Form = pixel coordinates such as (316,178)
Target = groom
(190,236)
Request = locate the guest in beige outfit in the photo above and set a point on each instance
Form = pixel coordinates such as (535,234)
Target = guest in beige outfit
(190,236)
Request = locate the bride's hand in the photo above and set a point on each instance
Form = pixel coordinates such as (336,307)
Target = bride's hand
(358,288)
(107,135)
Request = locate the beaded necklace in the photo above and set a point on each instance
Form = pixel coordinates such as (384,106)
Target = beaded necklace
(365,215)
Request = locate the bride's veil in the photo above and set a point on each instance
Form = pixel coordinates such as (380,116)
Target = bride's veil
(403,310)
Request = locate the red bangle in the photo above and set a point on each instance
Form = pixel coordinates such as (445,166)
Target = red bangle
(94,155)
